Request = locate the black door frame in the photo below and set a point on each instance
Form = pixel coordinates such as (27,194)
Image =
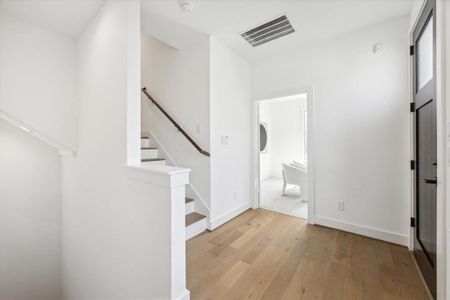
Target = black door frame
(425,262)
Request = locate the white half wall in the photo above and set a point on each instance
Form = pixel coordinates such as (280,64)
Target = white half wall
(38,79)
(230,117)
(361,123)
(117,241)
(30,217)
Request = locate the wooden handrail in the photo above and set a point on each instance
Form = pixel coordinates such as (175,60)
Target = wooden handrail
(180,129)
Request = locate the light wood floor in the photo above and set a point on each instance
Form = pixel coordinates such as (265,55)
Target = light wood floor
(266,255)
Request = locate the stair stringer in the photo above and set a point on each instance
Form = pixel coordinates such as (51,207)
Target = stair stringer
(192,192)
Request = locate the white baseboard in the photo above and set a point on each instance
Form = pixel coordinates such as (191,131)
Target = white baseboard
(392,237)
(216,222)
(185,296)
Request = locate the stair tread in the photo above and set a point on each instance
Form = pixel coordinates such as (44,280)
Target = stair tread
(149,148)
(151,159)
(188,200)
(193,217)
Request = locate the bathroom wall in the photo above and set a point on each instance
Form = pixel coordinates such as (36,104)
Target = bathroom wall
(285,127)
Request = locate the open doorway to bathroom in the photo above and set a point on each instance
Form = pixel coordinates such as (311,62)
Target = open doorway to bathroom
(283,155)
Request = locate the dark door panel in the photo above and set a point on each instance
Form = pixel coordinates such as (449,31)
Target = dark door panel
(425,142)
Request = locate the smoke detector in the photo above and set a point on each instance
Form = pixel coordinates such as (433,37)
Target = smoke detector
(186,5)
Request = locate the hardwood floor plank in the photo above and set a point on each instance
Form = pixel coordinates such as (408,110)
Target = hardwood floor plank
(251,256)
(222,286)
(284,275)
(224,243)
(266,255)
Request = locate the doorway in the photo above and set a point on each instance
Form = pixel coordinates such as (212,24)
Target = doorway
(425,144)
(283,161)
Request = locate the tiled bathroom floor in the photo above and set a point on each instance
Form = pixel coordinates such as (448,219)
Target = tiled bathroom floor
(291,204)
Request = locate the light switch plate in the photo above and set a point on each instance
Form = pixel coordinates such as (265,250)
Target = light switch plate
(225,139)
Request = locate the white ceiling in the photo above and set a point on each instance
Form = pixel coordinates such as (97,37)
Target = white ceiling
(313,20)
(68,17)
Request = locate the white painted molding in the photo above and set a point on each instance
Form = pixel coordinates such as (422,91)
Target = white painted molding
(164,176)
(392,237)
(62,149)
(66,153)
(185,296)
(216,222)
(196,228)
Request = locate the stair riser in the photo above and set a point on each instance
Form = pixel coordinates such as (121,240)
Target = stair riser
(149,153)
(190,207)
(195,228)
(158,162)
(145,143)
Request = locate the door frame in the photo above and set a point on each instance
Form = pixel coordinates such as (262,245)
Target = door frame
(443,209)
(302,89)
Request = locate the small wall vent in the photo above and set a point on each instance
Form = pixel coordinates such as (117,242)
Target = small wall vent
(269,31)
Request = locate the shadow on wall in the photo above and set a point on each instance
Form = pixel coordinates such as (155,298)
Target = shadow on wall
(30,217)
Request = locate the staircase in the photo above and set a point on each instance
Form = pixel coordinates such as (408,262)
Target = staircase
(195,223)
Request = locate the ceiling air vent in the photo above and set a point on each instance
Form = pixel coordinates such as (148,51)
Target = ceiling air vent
(269,31)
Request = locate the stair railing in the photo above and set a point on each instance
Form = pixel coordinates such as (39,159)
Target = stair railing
(180,129)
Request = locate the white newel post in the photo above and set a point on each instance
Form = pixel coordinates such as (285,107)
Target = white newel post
(165,187)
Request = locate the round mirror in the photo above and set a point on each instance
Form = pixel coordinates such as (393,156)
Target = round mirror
(262,137)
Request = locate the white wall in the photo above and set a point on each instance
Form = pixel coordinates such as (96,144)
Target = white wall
(179,81)
(38,79)
(230,116)
(37,90)
(116,230)
(361,125)
(286,133)
(30,217)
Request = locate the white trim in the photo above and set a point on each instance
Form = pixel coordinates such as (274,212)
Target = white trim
(61,148)
(396,238)
(66,153)
(412,129)
(303,89)
(159,169)
(228,216)
(185,296)
(163,176)
(441,245)
(195,228)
